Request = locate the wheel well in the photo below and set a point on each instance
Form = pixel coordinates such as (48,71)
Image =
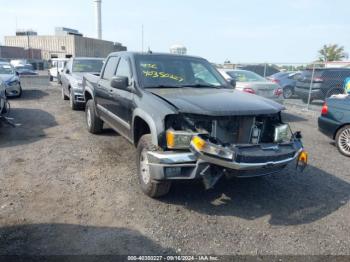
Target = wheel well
(87,96)
(140,128)
(340,127)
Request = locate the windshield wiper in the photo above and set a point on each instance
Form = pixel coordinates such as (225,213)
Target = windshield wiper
(201,85)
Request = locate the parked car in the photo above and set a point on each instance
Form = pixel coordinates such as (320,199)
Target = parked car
(25,70)
(10,80)
(3,100)
(286,80)
(72,78)
(262,69)
(57,66)
(335,122)
(186,121)
(250,82)
(326,82)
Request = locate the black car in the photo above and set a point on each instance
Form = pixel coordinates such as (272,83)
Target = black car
(287,80)
(335,122)
(326,82)
(26,70)
(186,121)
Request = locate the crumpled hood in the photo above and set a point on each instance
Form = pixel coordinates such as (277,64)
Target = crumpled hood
(8,78)
(216,102)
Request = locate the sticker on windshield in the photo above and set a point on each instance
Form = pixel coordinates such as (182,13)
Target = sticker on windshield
(153,66)
(156,74)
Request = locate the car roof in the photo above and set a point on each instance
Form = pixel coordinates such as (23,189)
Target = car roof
(131,53)
(87,58)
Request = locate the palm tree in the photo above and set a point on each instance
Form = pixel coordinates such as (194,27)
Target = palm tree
(332,52)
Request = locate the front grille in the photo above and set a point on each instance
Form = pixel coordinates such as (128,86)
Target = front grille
(256,154)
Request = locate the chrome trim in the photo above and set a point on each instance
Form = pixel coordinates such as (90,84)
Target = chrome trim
(115,117)
(172,158)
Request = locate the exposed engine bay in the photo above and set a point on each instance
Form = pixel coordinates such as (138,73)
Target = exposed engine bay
(230,130)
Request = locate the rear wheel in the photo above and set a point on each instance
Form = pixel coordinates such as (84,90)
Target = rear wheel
(342,140)
(51,78)
(287,92)
(64,97)
(93,123)
(150,187)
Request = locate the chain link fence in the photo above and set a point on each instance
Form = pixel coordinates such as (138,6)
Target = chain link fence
(305,85)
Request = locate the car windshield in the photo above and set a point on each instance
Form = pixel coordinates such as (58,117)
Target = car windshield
(6,70)
(86,65)
(246,76)
(177,71)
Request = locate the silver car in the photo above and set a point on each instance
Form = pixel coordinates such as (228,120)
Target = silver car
(253,83)
(2,98)
(11,80)
(72,78)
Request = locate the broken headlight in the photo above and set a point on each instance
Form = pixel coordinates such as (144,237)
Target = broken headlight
(201,145)
(178,139)
(282,133)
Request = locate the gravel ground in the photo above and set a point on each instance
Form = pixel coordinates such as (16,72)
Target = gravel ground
(65,191)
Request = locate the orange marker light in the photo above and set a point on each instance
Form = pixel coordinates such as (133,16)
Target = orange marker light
(303,157)
(170,139)
(198,143)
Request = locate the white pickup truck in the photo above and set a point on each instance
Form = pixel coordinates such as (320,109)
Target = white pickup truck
(57,66)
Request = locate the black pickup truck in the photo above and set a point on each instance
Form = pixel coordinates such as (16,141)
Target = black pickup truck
(186,121)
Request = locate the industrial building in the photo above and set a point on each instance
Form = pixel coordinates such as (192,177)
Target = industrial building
(64,44)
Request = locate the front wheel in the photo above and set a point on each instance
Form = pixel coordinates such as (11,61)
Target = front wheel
(72,103)
(93,123)
(342,140)
(149,186)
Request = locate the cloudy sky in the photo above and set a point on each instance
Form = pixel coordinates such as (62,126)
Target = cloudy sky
(241,31)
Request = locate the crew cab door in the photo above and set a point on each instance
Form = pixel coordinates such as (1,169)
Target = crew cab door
(115,105)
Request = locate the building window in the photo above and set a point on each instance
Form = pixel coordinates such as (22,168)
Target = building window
(63,48)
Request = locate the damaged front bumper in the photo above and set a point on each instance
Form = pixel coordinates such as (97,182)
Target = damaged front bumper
(249,161)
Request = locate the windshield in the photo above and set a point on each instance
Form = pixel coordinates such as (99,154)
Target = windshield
(86,65)
(6,70)
(177,71)
(246,76)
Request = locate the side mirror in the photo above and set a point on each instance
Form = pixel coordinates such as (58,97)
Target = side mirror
(17,74)
(233,83)
(67,72)
(120,82)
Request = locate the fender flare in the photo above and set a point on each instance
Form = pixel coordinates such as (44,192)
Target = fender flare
(150,122)
(90,91)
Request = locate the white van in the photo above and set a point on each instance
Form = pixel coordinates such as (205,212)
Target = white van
(57,65)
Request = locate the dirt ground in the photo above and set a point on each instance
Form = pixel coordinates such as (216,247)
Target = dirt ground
(65,191)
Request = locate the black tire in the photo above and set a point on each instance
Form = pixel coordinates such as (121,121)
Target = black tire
(73,105)
(51,78)
(150,187)
(64,97)
(306,100)
(93,123)
(20,92)
(342,140)
(59,79)
(288,92)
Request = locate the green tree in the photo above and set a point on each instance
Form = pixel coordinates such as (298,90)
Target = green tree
(332,52)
